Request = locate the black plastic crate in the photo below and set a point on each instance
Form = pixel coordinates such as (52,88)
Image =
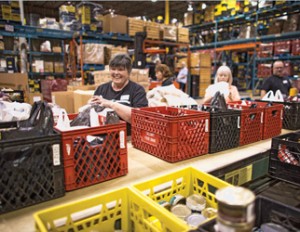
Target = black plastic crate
(278,168)
(31,171)
(268,210)
(224,130)
(291,115)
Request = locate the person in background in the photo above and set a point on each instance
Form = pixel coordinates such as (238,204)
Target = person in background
(120,94)
(164,74)
(182,76)
(277,81)
(222,77)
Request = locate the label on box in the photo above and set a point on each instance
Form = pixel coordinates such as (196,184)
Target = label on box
(56,154)
(150,138)
(122,139)
(9,28)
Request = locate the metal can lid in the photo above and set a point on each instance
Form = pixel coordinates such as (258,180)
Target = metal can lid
(195,219)
(235,196)
(181,211)
(272,227)
(196,202)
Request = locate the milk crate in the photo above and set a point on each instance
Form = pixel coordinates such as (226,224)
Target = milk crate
(251,122)
(87,163)
(31,171)
(224,130)
(267,211)
(171,134)
(291,115)
(285,157)
(120,210)
(185,182)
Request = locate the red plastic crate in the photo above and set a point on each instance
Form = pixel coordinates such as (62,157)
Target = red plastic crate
(296,47)
(251,122)
(282,47)
(171,134)
(265,50)
(264,70)
(86,164)
(272,119)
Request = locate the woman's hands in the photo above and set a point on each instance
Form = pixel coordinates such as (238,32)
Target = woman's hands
(101,101)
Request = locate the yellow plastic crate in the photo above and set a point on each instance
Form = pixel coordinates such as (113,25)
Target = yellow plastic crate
(125,207)
(184,182)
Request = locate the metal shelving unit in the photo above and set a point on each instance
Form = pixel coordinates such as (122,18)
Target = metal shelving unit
(240,44)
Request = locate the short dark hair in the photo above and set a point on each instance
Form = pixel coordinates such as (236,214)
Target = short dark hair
(121,60)
(164,69)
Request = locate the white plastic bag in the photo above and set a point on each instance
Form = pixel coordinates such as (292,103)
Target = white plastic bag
(63,122)
(278,96)
(269,96)
(94,120)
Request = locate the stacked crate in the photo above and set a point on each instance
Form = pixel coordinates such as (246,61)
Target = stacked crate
(134,26)
(205,73)
(10,10)
(153,30)
(183,35)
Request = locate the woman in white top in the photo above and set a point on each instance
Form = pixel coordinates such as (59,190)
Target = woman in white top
(223,83)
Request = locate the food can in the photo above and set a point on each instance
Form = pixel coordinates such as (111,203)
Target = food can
(235,209)
(195,219)
(209,212)
(181,211)
(178,199)
(196,202)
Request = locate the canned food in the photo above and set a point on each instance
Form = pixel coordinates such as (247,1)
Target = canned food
(196,202)
(177,199)
(181,211)
(165,204)
(195,219)
(209,212)
(235,208)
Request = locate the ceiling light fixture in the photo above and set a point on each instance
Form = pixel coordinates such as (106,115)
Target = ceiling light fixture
(203,6)
(153,0)
(190,8)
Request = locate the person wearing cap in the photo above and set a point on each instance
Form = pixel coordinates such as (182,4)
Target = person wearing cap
(120,94)
(182,76)
(223,83)
(277,81)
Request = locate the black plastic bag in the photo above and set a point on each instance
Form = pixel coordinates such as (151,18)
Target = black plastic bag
(218,102)
(83,118)
(39,123)
(112,118)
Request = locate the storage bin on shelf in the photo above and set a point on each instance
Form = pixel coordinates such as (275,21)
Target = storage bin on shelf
(86,163)
(171,134)
(267,211)
(224,129)
(119,210)
(31,170)
(285,157)
(185,182)
(291,114)
(251,121)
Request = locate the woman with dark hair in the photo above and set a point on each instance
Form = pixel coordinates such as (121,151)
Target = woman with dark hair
(164,74)
(120,94)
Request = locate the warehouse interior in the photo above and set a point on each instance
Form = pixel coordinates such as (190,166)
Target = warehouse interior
(203,153)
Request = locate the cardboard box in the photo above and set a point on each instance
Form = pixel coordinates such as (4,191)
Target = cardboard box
(65,99)
(57,49)
(115,24)
(188,19)
(170,33)
(81,98)
(48,67)
(15,81)
(205,60)
(33,97)
(58,67)
(134,26)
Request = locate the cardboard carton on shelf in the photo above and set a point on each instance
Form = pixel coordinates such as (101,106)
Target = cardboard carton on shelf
(115,24)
